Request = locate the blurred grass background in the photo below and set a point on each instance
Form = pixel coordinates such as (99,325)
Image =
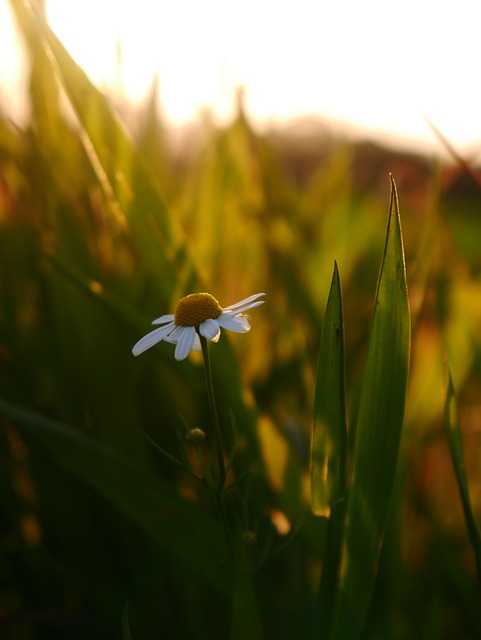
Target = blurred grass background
(103,226)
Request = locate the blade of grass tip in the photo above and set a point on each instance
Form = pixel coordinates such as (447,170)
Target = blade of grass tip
(465,165)
(380,420)
(328,449)
(329,435)
(453,433)
(126,632)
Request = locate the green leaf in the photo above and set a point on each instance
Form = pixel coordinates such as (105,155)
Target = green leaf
(453,433)
(380,420)
(136,492)
(328,450)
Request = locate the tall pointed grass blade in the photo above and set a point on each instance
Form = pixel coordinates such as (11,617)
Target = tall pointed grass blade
(328,450)
(453,433)
(380,420)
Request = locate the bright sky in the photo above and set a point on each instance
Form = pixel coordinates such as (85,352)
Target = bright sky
(374,64)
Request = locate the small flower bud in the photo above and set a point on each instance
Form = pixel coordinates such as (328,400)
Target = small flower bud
(196,436)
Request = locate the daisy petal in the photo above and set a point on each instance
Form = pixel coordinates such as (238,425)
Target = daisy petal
(235,312)
(239,324)
(152,338)
(197,346)
(185,342)
(169,317)
(244,302)
(174,336)
(210,329)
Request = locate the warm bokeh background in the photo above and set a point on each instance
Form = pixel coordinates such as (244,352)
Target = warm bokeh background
(102,227)
(369,67)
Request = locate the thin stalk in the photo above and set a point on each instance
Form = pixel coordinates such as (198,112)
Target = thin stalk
(184,465)
(213,411)
(219,489)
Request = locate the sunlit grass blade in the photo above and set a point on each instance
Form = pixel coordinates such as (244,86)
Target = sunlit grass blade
(328,451)
(53,135)
(131,193)
(136,492)
(379,426)
(329,448)
(453,433)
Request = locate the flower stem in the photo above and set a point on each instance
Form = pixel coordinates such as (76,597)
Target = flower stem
(219,489)
(213,412)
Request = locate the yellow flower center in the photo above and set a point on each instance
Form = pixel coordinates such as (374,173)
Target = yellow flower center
(195,309)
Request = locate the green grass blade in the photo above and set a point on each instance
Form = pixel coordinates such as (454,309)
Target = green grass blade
(453,433)
(329,447)
(328,450)
(137,493)
(380,420)
(329,585)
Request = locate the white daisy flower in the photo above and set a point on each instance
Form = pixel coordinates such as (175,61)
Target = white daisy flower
(198,313)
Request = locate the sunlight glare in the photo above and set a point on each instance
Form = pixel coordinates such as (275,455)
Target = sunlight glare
(12,67)
(372,65)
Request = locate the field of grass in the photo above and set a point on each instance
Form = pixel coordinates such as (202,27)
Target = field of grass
(351,506)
